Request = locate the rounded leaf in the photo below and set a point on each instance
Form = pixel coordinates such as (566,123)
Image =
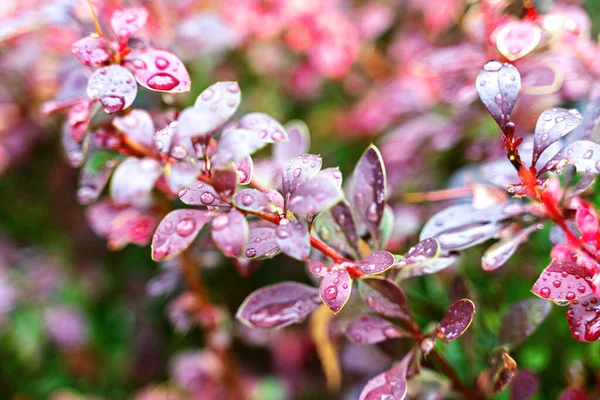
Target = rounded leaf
(456,321)
(498,87)
(230,232)
(245,168)
(552,125)
(91,50)
(333,174)
(385,297)
(138,128)
(114,87)
(161,71)
(500,252)
(216,105)
(425,250)
(181,174)
(389,385)
(236,144)
(298,143)
(299,169)
(75,151)
(133,180)
(201,194)
(376,263)
(563,282)
(268,128)
(125,22)
(314,195)
(225,180)
(262,242)
(521,320)
(370,329)
(293,239)
(583,154)
(253,201)
(335,289)
(95,174)
(177,231)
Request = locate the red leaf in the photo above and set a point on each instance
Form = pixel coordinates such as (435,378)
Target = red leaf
(245,167)
(114,87)
(177,231)
(587,222)
(521,320)
(335,289)
(225,181)
(127,21)
(583,318)
(161,71)
(563,282)
(525,385)
(456,321)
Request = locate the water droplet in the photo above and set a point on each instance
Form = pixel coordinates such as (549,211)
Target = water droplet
(331,292)
(112,104)
(207,94)
(588,154)
(297,172)
(482,83)
(547,117)
(372,214)
(570,296)
(499,99)
(545,292)
(278,136)
(581,289)
(185,226)
(220,222)
(559,119)
(282,233)
(556,283)
(162,81)
(233,88)
(247,199)
(391,332)
(207,198)
(492,66)
(250,252)
(161,63)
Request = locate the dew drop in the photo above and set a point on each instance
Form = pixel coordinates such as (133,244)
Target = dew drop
(185,226)
(161,63)
(220,222)
(570,296)
(297,172)
(588,154)
(207,198)
(112,104)
(556,283)
(247,199)
(545,292)
(162,81)
(331,292)
(250,252)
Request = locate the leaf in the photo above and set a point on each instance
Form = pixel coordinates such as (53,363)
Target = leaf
(298,170)
(236,144)
(181,174)
(293,239)
(517,39)
(423,251)
(133,181)
(254,201)
(389,385)
(78,118)
(342,214)
(114,87)
(225,180)
(317,268)
(456,321)
(298,143)
(95,174)
(201,194)
(386,227)
(329,231)
(369,190)
(314,196)
(91,51)
(215,106)
(327,349)
(500,252)
(370,329)
(230,232)
(427,267)
(268,128)
(583,317)
(245,168)
(498,87)
(583,154)
(521,320)
(563,282)
(161,71)
(524,385)
(591,116)
(138,128)
(279,305)
(500,374)
(262,242)
(177,231)
(333,174)
(385,297)
(376,263)
(125,22)
(335,289)
(461,226)
(75,151)
(552,125)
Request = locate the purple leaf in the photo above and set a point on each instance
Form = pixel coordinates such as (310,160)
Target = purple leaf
(91,51)
(181,174)
(293,239)
(317,268)
(342,214)
(333,174)
(552,125)
(125,22)
(215,106)
(267,128)
(230,232)
(564,282)
(335,289)
(262,242)
(427,267)
(161,71)
(278,305)
(245,167)
(521,320)
(133,181)
(370,329)
(299,169)
(456,321)
(177,231)
(298,143)
(138,128)
(225,181)
(500,252)
(583,154)
(253,201)
(95,174)
(389,385)
(498,86)
(376,263)
(75,151)
(236,144)
(201,194)
(314,196)
(329,230)
(114,87)
(583,318)
(423,251)
(369,190)
(586,181)
(524,385)
(385,297)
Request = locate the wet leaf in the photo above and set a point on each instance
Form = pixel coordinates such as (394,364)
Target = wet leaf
(427,267)
(267,128)
(524,385)
(563,282)
(298,143)
(385,297)
(215,106)
(583,317)
(333,174)
(278,305)
(181,174)
(95,174)
(370,329)
(161,71)
(376,263)
(423,251)
(114,87)
(91,51)
(133,180)
(201,194)
(369,190)
(552,125)
(583,154)
(225,180)
(456,321)
(328,229)
(299,169)
(125,22)
(390,384)
(138,128)
(591,116)
(335,289)
(177,231)
(498,86)
(78,118)
(245,168)
(317,268)
(230,232)
(236,144)
(253,201)
(521,320)
(262,242)
(313,196)
(75,151)
(342,214)
(293,239)
(500,252)
(517,39)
